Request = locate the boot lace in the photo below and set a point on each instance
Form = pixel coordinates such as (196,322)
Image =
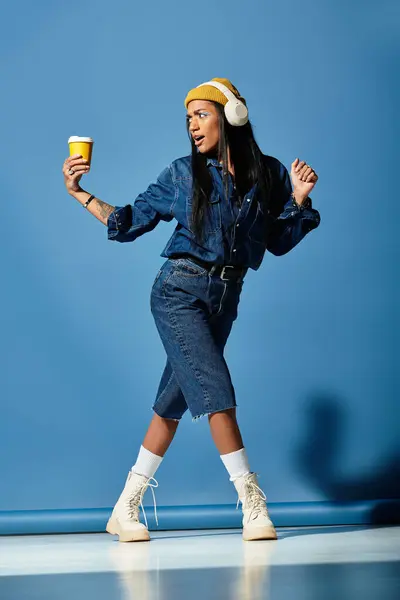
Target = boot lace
(254,498)
(135,500)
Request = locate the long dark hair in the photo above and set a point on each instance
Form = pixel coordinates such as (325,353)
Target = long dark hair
(248,164)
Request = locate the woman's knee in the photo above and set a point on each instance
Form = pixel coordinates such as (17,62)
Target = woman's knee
(228,412)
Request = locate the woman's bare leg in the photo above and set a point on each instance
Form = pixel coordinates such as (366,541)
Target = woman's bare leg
(160,435)
(225,431)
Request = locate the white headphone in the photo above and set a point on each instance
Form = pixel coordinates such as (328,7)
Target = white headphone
(235,111)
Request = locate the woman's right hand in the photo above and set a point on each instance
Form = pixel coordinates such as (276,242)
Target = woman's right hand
(79,166)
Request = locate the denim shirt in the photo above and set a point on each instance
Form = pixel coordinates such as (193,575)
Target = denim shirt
(234,234)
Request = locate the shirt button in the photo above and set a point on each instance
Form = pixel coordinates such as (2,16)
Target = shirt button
(234,250)
(248,199)
(237,225)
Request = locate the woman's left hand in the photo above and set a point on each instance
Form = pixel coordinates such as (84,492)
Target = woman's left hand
(303,178)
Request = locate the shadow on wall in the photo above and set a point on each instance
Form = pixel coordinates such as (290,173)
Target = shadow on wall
(317,454)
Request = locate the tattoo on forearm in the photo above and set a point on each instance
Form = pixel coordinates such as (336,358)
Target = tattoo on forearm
(105,209)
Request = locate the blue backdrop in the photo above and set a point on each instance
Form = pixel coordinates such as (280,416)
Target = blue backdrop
(314,354)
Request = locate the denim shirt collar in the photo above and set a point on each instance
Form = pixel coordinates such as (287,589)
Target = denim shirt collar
(213,162)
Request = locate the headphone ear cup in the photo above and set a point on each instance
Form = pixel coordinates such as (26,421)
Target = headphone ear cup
(236,113)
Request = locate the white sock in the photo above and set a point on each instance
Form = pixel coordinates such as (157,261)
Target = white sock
(236,463)
(147,463)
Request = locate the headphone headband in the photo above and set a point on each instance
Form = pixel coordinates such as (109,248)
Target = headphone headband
(222,88)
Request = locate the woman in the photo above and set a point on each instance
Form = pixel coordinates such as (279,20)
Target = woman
(231,203)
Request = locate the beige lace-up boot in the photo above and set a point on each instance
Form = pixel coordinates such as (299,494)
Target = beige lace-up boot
(124,520)
(257,524)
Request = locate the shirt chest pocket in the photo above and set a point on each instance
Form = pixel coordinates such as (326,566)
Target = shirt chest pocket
(212,215)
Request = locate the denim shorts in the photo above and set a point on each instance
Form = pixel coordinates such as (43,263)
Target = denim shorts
(194,313)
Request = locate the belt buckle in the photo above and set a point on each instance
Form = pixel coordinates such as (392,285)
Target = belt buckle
(223,272)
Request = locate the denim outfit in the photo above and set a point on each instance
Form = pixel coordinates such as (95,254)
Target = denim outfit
(193,308)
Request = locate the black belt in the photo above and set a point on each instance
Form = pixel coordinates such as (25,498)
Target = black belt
(226,272)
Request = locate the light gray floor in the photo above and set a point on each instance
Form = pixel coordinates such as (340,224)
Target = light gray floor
(304,563)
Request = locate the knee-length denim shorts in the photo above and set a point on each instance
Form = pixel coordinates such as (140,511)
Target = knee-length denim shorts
(194,313)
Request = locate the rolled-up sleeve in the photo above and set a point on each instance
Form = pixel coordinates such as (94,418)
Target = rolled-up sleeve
(126,223)
(294,221)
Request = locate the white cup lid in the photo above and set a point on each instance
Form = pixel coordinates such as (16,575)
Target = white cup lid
(76,138)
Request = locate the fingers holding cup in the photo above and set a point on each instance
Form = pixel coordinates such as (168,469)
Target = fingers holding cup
(83,146)
(74,168)
(78,166)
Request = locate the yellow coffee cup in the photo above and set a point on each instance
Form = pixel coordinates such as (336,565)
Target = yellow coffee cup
(81,145)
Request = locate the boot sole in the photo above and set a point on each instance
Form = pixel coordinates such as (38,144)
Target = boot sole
(131,536)
(262,533)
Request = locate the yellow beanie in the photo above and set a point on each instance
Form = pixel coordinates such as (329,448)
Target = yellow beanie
(209,92)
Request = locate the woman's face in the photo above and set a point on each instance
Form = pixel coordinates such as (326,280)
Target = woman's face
(202,118)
